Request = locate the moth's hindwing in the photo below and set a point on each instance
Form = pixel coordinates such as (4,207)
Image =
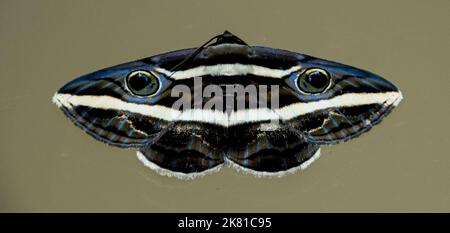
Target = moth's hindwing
(184,151)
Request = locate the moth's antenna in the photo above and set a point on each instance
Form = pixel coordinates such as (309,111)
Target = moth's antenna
(195,53)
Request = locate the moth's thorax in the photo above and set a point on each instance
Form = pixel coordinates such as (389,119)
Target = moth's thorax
(227,49)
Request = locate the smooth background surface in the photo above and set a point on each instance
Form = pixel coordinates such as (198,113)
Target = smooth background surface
(48,164)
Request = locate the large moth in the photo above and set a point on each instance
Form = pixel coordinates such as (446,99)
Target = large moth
(261,110)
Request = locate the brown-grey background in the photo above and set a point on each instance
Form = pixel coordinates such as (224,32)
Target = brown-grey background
(47,164)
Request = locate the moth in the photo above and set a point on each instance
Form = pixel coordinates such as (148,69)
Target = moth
(261,110)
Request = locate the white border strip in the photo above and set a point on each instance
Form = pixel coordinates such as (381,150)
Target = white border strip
(279,174)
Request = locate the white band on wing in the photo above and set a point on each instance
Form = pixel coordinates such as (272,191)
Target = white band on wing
(222,118)
(228,70)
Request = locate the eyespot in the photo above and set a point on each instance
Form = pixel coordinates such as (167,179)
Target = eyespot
(142,83)
(314,81)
